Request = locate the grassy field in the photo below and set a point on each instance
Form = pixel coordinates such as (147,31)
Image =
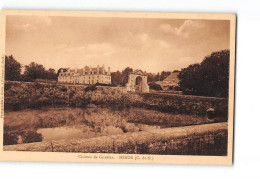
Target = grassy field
(20,96)
(26,122)
(33,110)
(97,116)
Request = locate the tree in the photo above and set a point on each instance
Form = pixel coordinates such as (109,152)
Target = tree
(164,74)
(34,71)
(125,74)
(50,74)
(151,77)
(160,76)
(12,69)
(209,78)
(154,86)
(116,78)
(157,77)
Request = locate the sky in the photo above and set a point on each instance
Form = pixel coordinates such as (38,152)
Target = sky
(152,45)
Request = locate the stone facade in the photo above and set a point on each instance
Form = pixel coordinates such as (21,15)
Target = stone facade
(137,82)
(87,75)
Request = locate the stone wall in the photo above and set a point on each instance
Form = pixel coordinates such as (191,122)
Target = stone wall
(186,104)
(21,95)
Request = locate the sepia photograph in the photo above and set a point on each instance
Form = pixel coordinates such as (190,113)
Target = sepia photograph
(134,87)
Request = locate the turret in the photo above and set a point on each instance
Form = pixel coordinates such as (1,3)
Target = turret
(108,71)
(103,69)
(98,69)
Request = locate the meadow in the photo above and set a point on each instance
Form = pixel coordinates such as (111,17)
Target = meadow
(26,122)
(40,114)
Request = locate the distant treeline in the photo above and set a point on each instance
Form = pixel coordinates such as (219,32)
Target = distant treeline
(121,78)
(208,78)
(35,71)
(32,71)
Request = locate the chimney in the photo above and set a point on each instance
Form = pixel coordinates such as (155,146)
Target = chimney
(98,69)
(103,69)
(108,72)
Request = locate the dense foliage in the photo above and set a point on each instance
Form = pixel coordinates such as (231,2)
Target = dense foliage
(12,69)
(154,86)
(32,72)
(120,78)
(35,71)
(20,95)
(209,78)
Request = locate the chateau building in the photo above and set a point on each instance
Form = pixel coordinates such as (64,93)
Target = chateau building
(87,75)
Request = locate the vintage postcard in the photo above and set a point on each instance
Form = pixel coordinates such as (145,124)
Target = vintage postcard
(117,87)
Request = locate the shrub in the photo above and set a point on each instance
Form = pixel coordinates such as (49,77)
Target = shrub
(155,86)
(102,84)
(90,88)
(63,89)
(38,85)
(18,137)
(7,86)
(177,88)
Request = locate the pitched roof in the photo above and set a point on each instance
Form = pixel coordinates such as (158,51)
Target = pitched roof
(173,77)
(87,69)
(80,71)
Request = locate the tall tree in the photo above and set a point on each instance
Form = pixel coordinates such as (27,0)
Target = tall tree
(51,74)
(116,78)
(209,78)
(34,71)
(151,77)
(157,77)
(125,74)
(12,69)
